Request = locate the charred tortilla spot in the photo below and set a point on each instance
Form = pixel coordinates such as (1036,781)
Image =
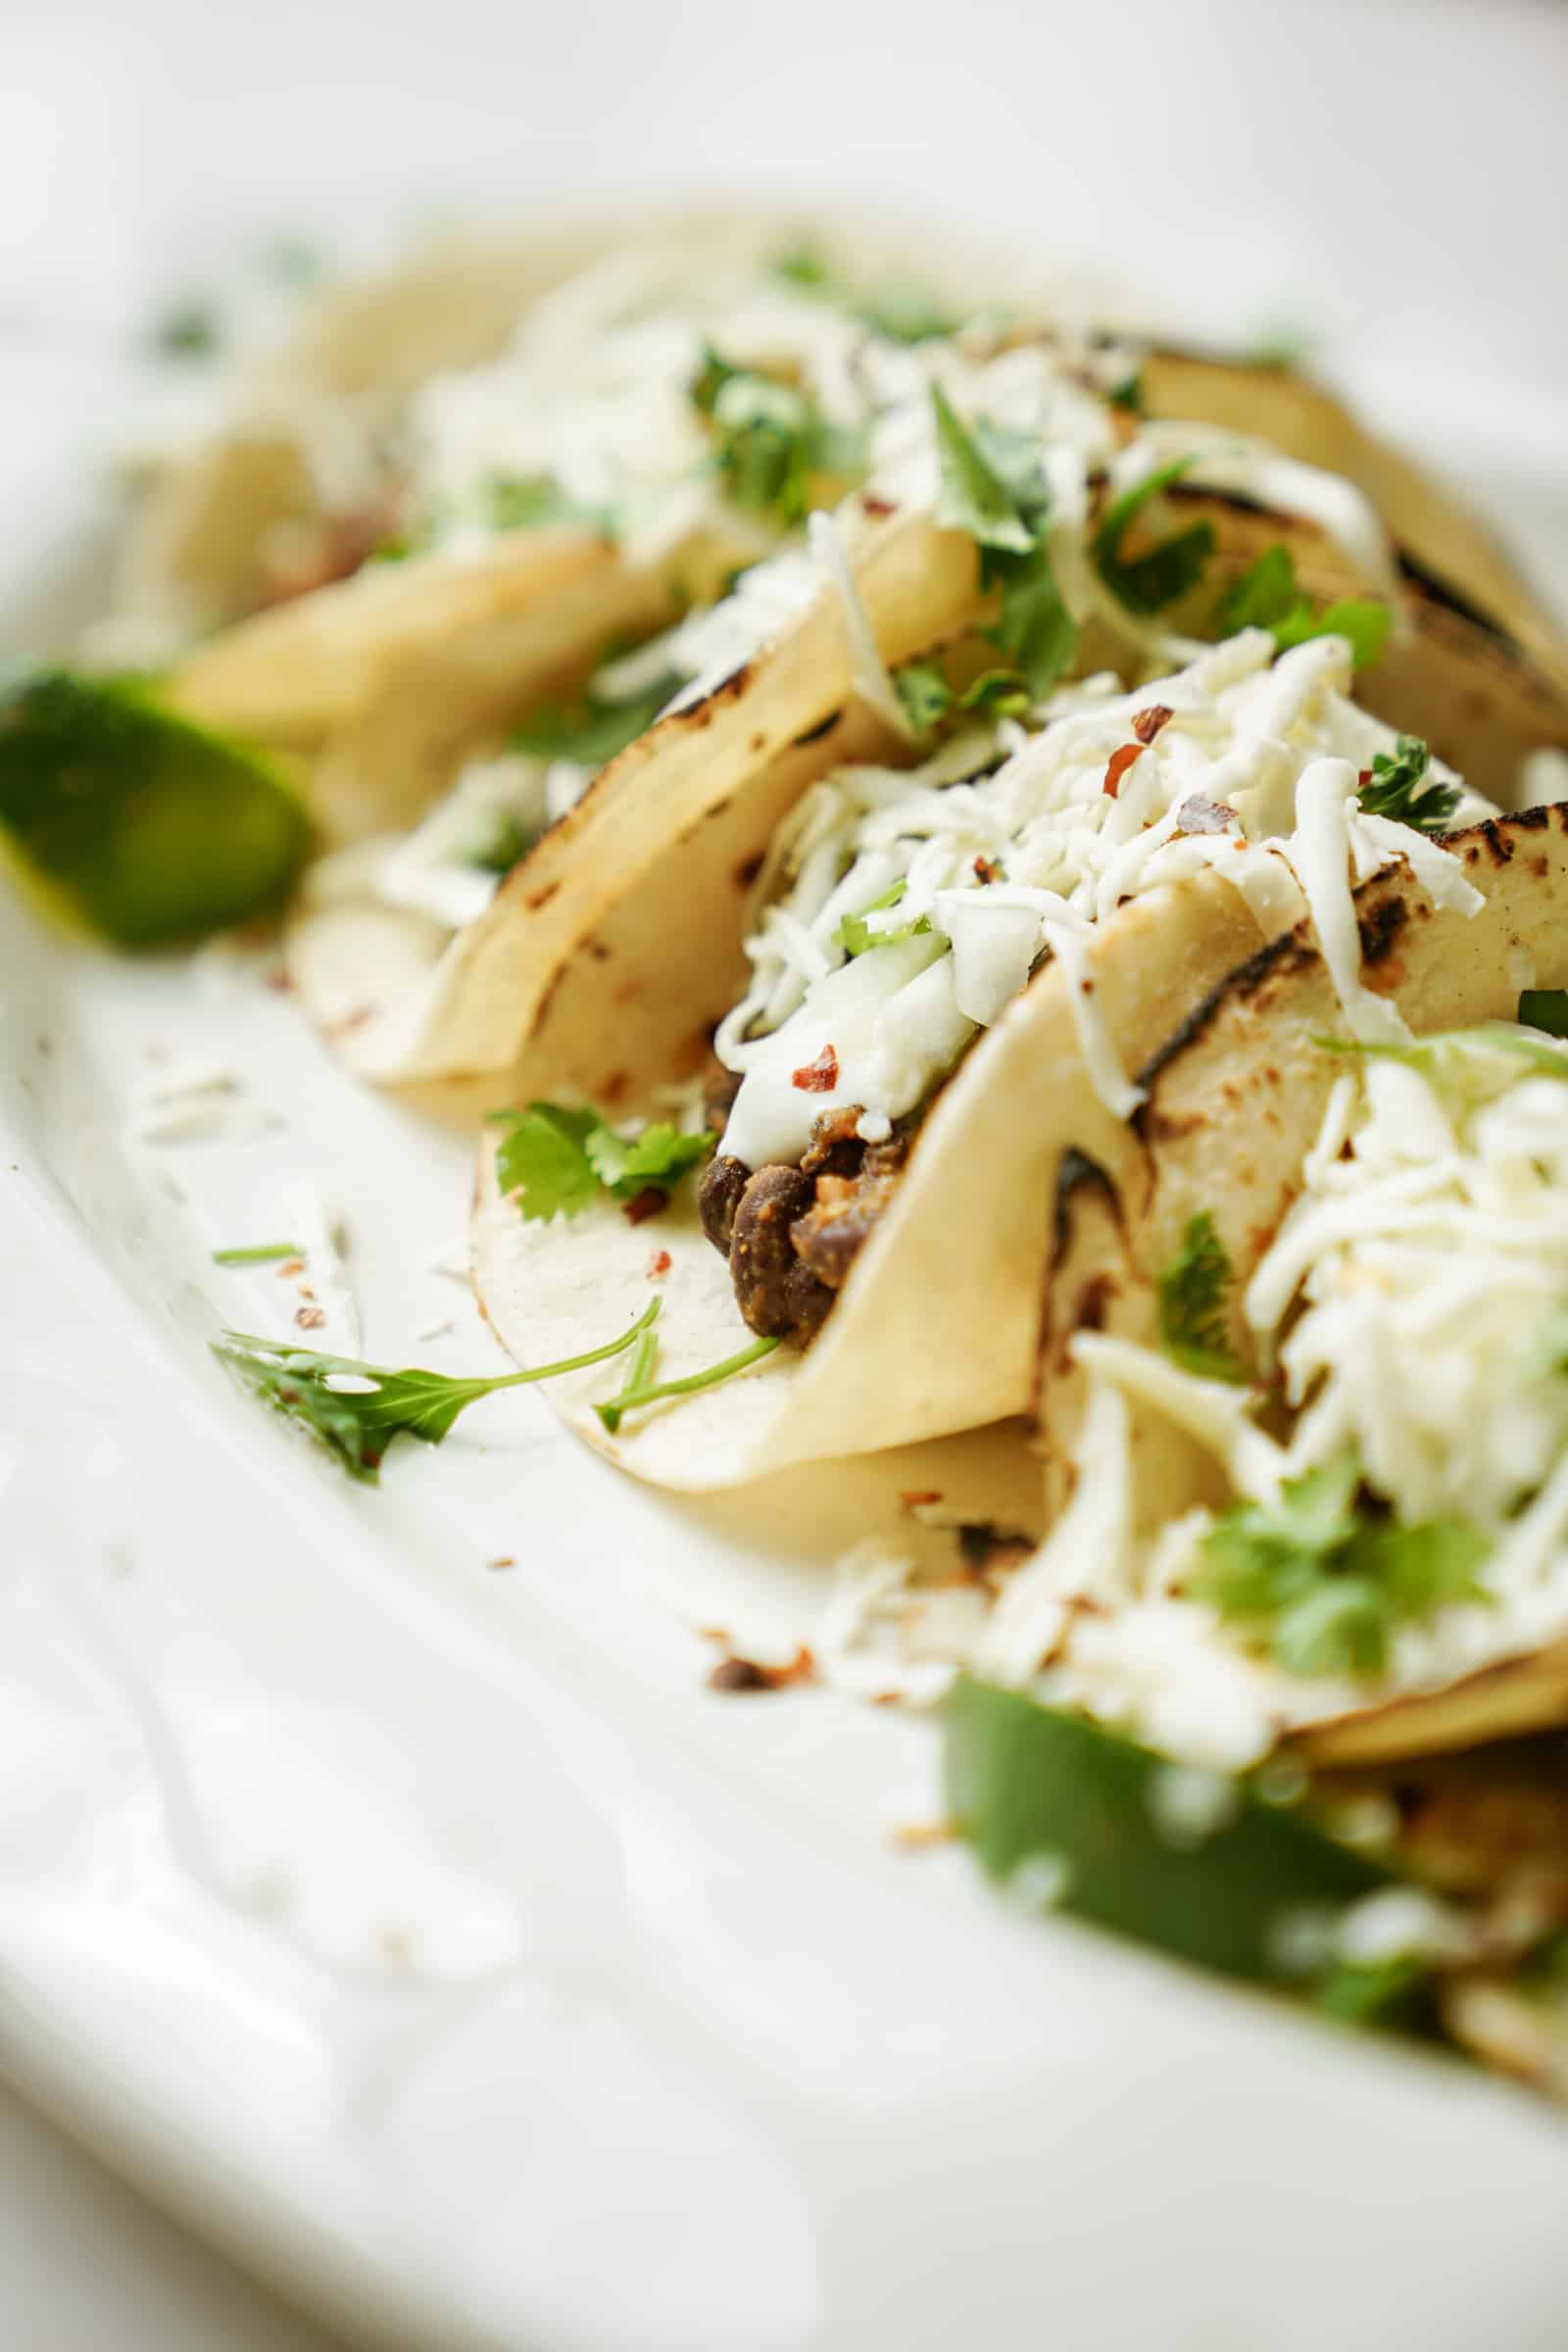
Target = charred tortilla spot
(541,897)
(598,950)
(746,872)
(1095,1301)
(759,742)
(613,1088)
(1077,1173)
(1380,926)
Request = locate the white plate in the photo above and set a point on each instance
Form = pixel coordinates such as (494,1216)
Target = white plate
(425,1932)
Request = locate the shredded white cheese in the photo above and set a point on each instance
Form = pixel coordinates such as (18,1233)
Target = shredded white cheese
(972,876)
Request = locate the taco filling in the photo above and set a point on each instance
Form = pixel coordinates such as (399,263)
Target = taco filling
(906,911)
(1382,1405)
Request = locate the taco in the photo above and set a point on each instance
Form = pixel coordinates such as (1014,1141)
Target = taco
(1303,1383)
(956,971)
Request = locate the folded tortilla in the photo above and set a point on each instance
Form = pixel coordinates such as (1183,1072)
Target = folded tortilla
(1237,1099)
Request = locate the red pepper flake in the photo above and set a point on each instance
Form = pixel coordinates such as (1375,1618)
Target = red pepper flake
(819,1077)
(1364,778)
(872,505)
(505,1561)
(646,1204)
(309,1318)
(278,979)
(915,1496)
(746,1674)
(1116,767)
(658,1264)
(290,1268)
(985,869)
(1148,723)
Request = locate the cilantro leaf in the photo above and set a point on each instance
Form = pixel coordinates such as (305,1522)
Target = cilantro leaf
(1192,1304)
(660,1156)
(973,496)
(596,727)
(191,331)
(1394,788)
(1545,1009)
(558,1160)
(1324,1580)
(1147,583)
(1268,596)
(926,694)
(1128,395)
(531,503)
(357,1425)
(770,440)
(857,934)
(928,698)
(1034,625)
(991,488)
(900,312)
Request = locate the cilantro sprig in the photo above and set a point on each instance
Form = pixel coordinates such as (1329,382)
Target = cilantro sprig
(1268,596)
(928,698)
(557,1160)
(1396,787)
(1145,584)
(771,441)
(356,1425)
(641,1390)
(1324,1577)
(594,728)
(992,487)
(899,311)
(1191,1292)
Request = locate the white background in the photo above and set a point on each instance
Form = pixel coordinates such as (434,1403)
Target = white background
(1388,177)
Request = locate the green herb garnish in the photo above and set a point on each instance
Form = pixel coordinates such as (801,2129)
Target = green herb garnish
(147,827)
(593,729)
(926,694)
(771,441)
(1394,788)
(190,332)
(857,934)
(558,1160)
(973,496)
(991,488)
(1147,583)
(1128,395)
(1323,1578)
(257,1253)
(635,1394)
(1268,596)
(532,503)
(1192,1290)
(928,698)
(900,312)
(357,1425)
